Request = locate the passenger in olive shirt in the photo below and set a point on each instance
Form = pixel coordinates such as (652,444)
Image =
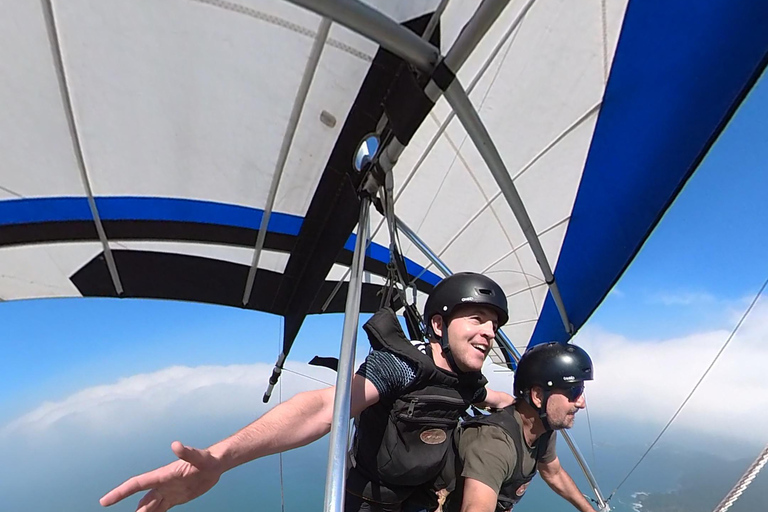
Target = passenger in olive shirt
(500,453)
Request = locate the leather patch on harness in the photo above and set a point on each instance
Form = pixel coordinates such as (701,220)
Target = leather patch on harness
(433,436)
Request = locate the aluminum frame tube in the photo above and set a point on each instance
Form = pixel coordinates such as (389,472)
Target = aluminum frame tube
(474,30)
(469,37)
(470,119)
(507,343)
(337,452)
(601,503)
(377,27)
(372,24)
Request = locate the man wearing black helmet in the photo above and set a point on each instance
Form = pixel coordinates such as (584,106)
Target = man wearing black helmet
(501,452)
(408,399)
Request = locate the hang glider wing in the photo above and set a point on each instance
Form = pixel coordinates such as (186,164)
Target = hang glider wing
(140,142)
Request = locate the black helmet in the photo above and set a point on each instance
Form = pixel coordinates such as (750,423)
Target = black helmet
(552,366)
(464,288)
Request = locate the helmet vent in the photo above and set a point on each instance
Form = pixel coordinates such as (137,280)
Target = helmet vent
(485,291)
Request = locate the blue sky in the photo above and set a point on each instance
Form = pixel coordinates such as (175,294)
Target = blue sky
(682,295)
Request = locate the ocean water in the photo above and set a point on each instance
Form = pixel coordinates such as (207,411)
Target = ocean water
(66,477)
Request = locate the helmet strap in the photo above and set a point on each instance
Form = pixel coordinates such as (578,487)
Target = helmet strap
(543,409)
(447,353)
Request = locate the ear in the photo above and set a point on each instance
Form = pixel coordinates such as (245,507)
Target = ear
(537,396)
(437,325)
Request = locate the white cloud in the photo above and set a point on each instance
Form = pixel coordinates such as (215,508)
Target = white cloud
(646,381)
(179,391)
(683,298)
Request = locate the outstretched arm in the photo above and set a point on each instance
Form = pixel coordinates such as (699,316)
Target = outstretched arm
(562,483)
(296,422)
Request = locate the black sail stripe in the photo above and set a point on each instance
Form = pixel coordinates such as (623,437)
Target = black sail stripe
(334,210)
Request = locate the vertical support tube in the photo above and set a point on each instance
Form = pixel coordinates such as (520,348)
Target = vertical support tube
(507,344)
(337,453)
(434,20)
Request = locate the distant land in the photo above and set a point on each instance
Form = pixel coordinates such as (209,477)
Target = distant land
(705,484)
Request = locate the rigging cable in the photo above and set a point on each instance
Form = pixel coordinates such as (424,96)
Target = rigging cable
(674,416)
(280,455)
(743,482)
(589,424)
(307,377)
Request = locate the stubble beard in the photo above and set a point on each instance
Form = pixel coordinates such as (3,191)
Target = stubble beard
(565,423)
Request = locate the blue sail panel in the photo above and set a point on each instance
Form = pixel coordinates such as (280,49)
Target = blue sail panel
(681,70)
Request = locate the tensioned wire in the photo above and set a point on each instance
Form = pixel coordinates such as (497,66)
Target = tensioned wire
(589,424)
(280,401)
(306,376)
(674,416)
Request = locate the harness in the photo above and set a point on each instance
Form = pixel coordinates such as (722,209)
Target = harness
(404,441)
(513,489)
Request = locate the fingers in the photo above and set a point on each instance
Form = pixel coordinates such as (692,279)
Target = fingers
(127,488)
(198,458)
(147,502)
(138,483)
(151,502)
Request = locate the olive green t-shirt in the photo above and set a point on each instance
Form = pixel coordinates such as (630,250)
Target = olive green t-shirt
(488,453)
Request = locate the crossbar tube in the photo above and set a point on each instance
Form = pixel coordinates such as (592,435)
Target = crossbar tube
(377,27)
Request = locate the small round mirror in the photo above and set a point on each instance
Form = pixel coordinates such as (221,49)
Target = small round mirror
(366,152)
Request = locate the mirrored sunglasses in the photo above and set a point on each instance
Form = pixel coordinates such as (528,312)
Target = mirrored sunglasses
(574,392)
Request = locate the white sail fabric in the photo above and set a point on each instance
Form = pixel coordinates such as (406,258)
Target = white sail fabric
(140,140)
(546,79)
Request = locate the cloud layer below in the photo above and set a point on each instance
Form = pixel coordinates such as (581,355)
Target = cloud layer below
(637,381)
(174,393)
(645,381)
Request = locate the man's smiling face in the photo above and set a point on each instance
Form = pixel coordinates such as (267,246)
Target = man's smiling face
(471,331)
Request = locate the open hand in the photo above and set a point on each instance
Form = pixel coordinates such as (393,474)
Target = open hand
(192,475)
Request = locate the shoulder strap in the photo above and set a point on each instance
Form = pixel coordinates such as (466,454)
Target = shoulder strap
(384,332)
